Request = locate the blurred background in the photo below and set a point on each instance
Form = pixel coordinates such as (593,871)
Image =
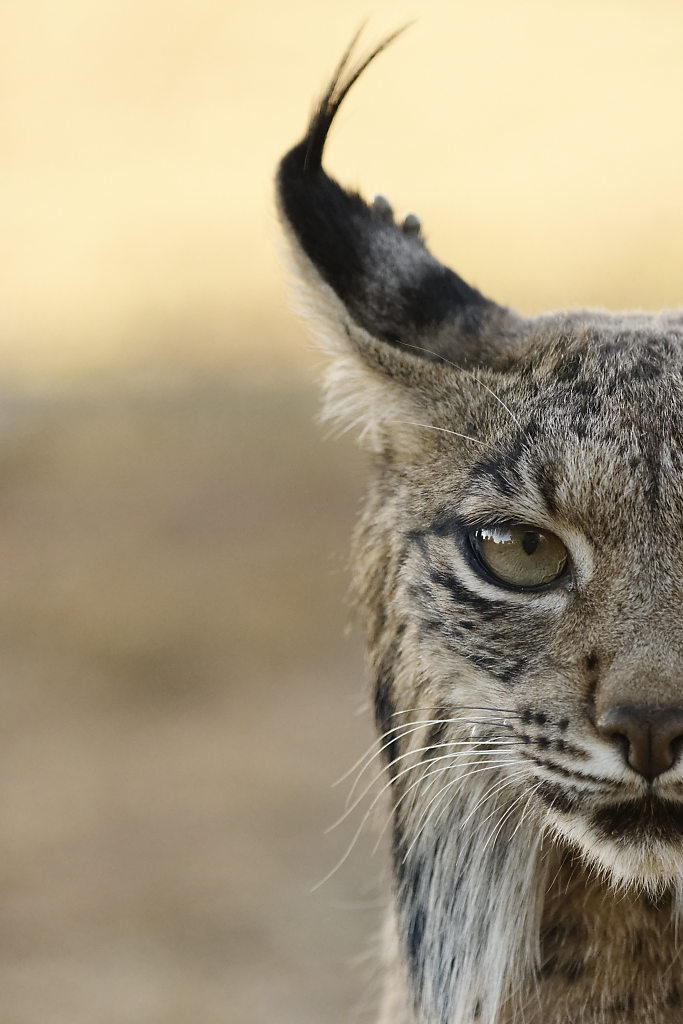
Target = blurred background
(179,685)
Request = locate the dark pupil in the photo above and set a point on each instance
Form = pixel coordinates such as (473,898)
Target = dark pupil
(530,541)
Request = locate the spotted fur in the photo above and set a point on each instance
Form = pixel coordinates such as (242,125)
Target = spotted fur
(537,878)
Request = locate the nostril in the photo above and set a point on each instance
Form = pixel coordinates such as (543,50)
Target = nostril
(651,738)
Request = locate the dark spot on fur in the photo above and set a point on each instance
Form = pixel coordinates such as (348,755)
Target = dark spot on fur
(409,877)
(552,936)
(576,752)
(436,733)
(430,626)
(415,936)
(549,967)
(509,673)
(417,537)
(384,704)
(398,854)
(488,663)
(377,624)
(574,969)
(561,933)
(543,742)
(421,592)
(591,661)
(568,369)
(673,997)
(488,610)
(385,459)
(587,389)
(571,969)
(563,724)
(623,1004)
(633,820)
(560,745)
(403,556)
(540,718)
(560,769)
(557,798)
(654,903)
(493,469)
(546,482)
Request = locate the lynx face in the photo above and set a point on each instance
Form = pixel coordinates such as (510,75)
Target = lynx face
(519,565)
(581,461)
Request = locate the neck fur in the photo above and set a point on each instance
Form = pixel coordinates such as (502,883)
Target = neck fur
(470,896)
(498,926)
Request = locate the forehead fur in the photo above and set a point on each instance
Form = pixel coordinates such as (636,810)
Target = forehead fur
(588,421)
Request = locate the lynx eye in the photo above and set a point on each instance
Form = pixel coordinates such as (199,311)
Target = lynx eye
(521,556)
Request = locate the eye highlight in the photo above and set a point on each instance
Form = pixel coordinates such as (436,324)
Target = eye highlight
(521,556)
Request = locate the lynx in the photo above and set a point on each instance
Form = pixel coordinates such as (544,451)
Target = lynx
(519,568)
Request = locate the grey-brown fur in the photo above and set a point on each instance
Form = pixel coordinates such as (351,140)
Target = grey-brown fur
(537,877)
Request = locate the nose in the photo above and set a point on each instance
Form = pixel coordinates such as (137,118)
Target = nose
(652,735)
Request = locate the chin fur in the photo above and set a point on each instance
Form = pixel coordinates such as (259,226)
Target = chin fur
(637,862)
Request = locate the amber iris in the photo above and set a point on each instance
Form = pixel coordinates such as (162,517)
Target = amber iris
(521,556)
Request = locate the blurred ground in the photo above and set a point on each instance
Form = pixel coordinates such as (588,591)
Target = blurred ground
(177,696)
(177,690)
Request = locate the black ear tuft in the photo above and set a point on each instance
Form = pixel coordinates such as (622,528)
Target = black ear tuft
(389,282)
(322,119)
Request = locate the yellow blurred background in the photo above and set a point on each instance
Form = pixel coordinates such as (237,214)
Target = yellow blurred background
(178,687)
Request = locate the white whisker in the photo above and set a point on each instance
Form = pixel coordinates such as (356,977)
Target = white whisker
(526,808)
(409,727)
(491,794)
(369,811)
(509,712)
(444,769)
(443,430)
(473,747)
(461,778)
(470,751)
(473,376)
(495,832)
(499,400)
(390,783)
(487,795)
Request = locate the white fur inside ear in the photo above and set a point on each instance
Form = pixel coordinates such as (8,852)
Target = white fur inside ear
(357,395)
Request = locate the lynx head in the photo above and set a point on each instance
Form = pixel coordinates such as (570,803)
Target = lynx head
(519,566)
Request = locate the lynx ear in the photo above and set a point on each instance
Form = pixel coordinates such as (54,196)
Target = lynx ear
(371,282)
